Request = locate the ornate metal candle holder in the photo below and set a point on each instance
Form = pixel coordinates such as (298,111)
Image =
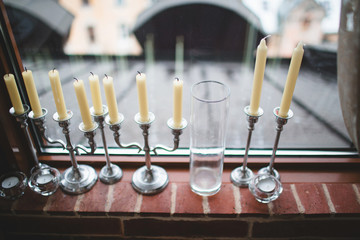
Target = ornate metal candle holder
(241,176)
(281,121)
(149,179)
(78,178)
(40,171)
(110,173)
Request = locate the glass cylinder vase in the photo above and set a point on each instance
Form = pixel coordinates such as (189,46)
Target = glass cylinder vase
(208,123)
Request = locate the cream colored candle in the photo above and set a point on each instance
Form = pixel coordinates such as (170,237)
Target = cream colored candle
(95,94)
(14,93)
(178,95)
(111,99)
(32,93)
(58,94)
(293,73)
(142,96)
(83,104)
(258,77)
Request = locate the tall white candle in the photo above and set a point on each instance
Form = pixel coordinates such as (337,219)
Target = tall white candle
(258,77)
(111,99)
(95,94)
(177,95)
(293,73)
(58,94)
(142,96)
(83,104)
(14,93)
(32,93)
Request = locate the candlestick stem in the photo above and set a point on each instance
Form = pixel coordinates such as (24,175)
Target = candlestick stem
(241,176)
(78,178)
(280,121)
(110,173)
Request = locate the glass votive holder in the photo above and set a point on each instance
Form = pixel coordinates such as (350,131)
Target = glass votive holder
(12,185)
(265,188)
(45,181)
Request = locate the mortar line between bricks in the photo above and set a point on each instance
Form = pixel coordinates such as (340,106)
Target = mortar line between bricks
(173,198)
(357,193)
(137,208)
(328,198)
(78,203)
(205,205)
(237,198)
(48,204)
(300,207)
(271,208)
(109,198)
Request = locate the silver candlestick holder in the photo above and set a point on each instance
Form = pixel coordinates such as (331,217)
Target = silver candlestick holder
(150,179)
(241,176)
(281,121)
(110,173)
(79,178)
(44,179)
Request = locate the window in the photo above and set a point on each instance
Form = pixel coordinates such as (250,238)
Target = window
(214,48)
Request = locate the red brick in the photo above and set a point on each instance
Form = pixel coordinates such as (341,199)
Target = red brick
(309,228)
(187,202)
(313,198)
(30,203)
(94,201)
(66,225)
(250,206)
(61,203)
(223,203)
(180,228)
(157,204)
(124,199)
(343,197)
(286,203)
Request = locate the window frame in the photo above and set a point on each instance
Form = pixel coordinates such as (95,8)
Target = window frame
(18,153)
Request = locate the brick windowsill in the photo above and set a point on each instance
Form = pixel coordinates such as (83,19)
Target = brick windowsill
(305,209)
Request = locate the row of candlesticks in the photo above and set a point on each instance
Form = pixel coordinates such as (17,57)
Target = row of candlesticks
(148,179)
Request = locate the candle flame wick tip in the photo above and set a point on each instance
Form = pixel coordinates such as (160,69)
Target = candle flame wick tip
(139,73)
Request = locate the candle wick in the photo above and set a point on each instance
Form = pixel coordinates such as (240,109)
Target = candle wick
(267,36)
(139,73)
(25,69)
(92,73)
(177,79)
(54,69)
(76,79)
(106,76)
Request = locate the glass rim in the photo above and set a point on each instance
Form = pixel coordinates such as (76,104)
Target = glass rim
(226,95)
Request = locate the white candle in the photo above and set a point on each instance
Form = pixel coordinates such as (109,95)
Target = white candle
(83,104)
(95,94)
(43,179)
(111,99)
(32,93)
(14,93)
(10,182)
(293,73)
(266,185)
(58,94)
(178,94)
(142,96)
(258,77)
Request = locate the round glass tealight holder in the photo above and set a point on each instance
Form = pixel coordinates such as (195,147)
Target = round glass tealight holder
(12,185)
(265,188)
(45,181)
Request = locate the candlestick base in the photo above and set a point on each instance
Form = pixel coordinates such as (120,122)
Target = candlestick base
(150,181)
(12,185)
(241,178)
(45,181)
(78,180)
(110,175)
(265,188)
(266,170)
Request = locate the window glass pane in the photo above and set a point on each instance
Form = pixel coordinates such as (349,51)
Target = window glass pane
(213,40)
